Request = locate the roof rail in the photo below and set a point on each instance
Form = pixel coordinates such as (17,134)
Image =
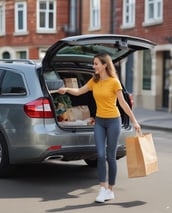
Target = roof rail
(26,61)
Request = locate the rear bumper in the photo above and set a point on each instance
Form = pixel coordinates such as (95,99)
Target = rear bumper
(70,146)
(81,153)
(63,154)
(69,154)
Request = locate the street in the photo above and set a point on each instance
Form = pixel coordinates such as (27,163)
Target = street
(72,187)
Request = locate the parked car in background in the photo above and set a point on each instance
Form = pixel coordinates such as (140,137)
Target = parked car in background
(36,123)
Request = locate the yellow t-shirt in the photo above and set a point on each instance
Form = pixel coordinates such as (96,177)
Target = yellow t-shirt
(104,92)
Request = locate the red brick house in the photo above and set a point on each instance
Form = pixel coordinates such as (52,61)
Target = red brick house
(29,27)
(151,71)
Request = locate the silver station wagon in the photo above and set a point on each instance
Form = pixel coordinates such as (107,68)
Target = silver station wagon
(38,124)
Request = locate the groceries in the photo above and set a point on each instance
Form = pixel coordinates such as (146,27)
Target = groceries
(67,114)
(78,115)
(71,82)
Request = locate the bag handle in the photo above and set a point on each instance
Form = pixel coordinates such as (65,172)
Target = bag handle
(139,133)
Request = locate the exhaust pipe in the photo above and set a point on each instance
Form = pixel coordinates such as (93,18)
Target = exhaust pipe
(54,157)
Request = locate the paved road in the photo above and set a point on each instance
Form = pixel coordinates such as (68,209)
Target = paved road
(73,187)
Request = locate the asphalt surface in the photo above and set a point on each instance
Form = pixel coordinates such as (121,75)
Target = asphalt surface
(159,119)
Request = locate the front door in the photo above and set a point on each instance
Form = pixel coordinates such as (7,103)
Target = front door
(166,82)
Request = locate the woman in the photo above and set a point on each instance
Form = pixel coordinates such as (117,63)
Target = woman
(106,90)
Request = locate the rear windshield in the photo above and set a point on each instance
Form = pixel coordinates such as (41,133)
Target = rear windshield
(93,49)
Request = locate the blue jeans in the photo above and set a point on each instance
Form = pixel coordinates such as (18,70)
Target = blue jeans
(106,132)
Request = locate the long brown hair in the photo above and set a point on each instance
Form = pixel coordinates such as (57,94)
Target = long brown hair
(110,69)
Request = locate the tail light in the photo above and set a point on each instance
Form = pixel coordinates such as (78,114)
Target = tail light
(39,108)
(54,148)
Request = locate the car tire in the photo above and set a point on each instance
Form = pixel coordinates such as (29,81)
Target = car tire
(91,163)
(4,158)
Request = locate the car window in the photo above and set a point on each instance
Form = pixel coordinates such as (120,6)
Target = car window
(53,80)
(12,84)
(91,50)
(51,76)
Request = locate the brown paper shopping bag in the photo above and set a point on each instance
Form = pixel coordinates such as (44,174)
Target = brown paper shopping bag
(141,155)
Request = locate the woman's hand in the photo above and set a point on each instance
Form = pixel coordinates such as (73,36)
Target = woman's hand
(137,126)
(62,90)
(73,91)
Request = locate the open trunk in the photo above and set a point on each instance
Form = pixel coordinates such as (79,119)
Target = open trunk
(75,112)
(72,57)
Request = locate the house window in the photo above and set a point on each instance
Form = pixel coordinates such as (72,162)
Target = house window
(147,70)
(153,11)
(128,13)
(20,17)
(46,14)
(21,54)
(2,18)
(95,14)
(6,55)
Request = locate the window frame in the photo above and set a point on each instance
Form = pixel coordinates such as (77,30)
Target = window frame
(19,52)
(129,10)
(47,28)
(95,14)
(17,17)
(2,18)
(157,7)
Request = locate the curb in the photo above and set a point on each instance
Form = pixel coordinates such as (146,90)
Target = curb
(146,126)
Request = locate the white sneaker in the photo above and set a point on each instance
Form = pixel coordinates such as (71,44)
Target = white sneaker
(109,195)
(101,196)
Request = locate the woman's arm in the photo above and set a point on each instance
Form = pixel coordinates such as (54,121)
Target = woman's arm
(127,109)
(73,91)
